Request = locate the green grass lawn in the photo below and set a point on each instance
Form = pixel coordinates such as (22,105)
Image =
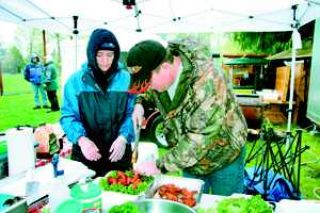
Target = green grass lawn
(310,169)
(17,102)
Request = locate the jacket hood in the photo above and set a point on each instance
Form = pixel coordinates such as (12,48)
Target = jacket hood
(102,39)
(34,57)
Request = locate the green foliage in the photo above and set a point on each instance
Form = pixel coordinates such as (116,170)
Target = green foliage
(17,60)
(203,37)
(35,42)
(12,60)
(14,57)
(206,39)
(263,42)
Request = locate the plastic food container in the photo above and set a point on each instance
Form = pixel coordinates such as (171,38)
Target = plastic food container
(69,206)
(89,195)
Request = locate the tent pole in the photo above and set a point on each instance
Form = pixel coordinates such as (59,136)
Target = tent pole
(292,74)
(291,88)
(296,44)
(76,52)
(137,13)
(75,33)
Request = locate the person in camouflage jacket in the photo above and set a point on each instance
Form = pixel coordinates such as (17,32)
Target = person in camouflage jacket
(201,115)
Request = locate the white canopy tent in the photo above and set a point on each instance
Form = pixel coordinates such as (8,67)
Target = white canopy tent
(160,16)
(165,16)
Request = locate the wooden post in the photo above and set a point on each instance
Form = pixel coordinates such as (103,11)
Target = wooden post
(58,40)
(44,40)
(1,82)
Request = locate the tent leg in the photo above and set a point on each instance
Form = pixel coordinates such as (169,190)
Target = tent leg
(296,44)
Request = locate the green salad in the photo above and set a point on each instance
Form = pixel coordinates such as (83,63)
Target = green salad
(127,207)
(254,204)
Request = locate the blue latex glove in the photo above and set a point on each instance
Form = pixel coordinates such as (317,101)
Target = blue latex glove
(118,149)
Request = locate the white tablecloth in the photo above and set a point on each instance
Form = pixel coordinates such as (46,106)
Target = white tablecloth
(16,185)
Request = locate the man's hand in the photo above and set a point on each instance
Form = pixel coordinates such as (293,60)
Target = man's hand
(89,149)
(147,168)
(138,115)
(118,148)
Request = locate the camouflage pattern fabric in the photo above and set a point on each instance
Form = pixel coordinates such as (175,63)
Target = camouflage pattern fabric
(203,121)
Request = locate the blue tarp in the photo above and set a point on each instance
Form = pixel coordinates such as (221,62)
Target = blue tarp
(273,188)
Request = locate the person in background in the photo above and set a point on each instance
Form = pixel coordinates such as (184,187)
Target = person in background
(51,77)
(34,73)
(97,108)
(202,120)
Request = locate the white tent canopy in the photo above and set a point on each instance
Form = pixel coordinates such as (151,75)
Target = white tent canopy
(160,16)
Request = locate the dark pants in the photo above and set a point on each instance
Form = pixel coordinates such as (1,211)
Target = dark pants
(225,181)
(52,96)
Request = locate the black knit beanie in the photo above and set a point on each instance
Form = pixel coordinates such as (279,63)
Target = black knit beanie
(142,58)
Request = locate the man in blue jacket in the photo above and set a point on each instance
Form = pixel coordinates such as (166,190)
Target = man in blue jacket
(97,109)
(34,73)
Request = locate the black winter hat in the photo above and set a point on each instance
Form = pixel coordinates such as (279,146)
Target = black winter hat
(142,58)
(102,39)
